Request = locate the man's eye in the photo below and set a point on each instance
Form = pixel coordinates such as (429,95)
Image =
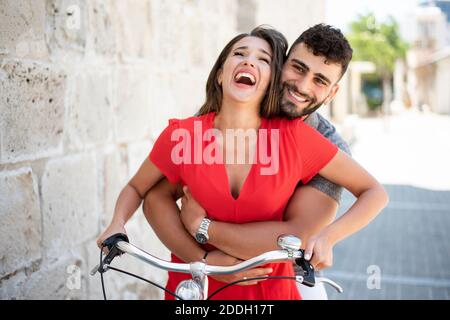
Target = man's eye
(321,82)
(299,69)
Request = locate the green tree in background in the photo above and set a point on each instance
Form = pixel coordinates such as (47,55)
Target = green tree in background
(381,44)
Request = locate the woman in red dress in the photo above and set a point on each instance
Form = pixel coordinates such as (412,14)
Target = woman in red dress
(243,94)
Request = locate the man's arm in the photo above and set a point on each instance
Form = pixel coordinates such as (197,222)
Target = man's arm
(162,213)
(308,211)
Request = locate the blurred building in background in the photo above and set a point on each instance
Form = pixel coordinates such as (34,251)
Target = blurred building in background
(428,60)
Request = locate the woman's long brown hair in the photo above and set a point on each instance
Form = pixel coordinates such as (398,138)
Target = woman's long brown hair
(270,105)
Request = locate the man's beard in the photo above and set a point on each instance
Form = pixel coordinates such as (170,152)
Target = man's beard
(289,109)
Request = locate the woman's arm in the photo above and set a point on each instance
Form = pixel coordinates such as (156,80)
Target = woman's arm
(309,210)
(131,197)
(245,240)
(371,199)
(162,213)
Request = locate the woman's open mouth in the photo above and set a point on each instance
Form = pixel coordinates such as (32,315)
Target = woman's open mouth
(245,79)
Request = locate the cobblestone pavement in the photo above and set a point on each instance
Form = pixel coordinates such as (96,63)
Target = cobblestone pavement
(408,244)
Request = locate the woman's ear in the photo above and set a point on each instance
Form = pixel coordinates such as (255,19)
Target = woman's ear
(219,77)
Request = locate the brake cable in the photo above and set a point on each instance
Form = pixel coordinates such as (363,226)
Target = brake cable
(249,279)
(130,274)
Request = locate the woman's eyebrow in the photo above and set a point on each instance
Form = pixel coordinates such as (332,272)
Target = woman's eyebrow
(241,48)
(264,51)
(246,48)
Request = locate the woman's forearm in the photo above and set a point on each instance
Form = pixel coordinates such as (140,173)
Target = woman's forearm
(127,203)
(248,240)
(368,205)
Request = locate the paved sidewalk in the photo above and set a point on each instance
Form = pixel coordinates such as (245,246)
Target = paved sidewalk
(408,242)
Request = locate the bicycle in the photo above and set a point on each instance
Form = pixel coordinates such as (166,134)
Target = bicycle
(197,287)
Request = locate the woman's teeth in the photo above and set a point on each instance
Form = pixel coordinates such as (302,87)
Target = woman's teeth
(242,75)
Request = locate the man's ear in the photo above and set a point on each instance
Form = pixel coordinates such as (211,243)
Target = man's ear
(332,94)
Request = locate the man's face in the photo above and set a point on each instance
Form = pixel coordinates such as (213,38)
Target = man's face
(308,81)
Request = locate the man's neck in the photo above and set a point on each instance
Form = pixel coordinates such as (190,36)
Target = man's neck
(312,119)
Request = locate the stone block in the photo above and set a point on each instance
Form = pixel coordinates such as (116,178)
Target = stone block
(22,29)
(67,22)
(31,110)
(102,26)
(132,106)
(62,279)
(90,119)
(69,202)
(20,228)
(134,36)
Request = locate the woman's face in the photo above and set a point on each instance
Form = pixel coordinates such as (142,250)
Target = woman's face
(246,72)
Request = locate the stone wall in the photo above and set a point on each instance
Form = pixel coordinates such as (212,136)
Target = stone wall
(85,88)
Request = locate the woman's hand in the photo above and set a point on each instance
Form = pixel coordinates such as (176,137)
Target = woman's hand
(192,212)
(320,248)
(113,228)
(219,258)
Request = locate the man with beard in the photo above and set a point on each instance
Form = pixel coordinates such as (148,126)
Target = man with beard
(315,64)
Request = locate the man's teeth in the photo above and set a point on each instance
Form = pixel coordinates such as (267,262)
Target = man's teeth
(296,97)
(247,75)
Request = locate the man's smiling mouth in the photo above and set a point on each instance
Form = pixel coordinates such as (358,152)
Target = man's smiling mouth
(297,97)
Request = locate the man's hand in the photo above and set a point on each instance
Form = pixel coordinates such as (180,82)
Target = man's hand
(320,248)
(192,213)
(219,258)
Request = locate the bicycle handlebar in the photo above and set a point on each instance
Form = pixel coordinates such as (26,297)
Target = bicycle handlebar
(118,244)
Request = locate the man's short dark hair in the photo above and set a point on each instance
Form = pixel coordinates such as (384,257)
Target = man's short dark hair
(327,41)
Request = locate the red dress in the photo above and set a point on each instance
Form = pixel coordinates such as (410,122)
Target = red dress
(302,153)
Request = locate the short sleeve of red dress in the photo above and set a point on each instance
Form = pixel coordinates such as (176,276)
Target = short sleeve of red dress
(315,150)
(162,152)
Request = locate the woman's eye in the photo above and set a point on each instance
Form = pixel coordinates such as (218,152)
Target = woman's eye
(237,53)
(265,60)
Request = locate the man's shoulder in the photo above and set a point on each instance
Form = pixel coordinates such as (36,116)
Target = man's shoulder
(328,130)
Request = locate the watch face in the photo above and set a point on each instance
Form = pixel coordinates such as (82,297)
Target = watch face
(201,238)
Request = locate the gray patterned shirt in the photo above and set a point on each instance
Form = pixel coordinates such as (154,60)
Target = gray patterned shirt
(325,128)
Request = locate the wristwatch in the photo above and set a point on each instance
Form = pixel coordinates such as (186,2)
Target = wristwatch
(202,233)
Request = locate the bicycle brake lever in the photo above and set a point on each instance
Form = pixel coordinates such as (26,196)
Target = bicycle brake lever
(94,270)
(110,243)
(308,270)
(337,287)
(112,240)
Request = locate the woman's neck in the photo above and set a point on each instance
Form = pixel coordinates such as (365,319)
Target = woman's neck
(237,116)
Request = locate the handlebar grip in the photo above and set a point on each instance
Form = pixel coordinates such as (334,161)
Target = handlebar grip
(113,250)
(112,240)
(308,271)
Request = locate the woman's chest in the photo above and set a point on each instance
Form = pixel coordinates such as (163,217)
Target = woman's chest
(242,193)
